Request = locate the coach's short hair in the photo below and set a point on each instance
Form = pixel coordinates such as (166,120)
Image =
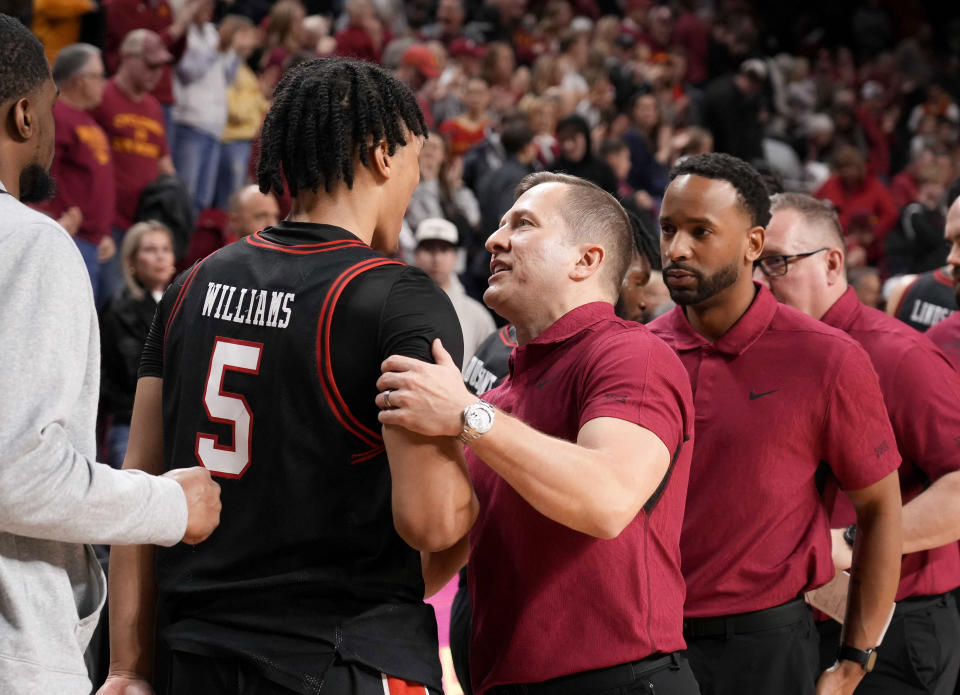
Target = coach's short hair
(751,190)
(814,212)
(589,212)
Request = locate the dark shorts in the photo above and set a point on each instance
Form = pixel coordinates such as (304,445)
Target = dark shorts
(193,673)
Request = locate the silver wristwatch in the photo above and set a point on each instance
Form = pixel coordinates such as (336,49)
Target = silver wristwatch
(477,421)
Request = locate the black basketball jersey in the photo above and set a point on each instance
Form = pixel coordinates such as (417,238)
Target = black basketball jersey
(490,364)
(928,300)
(271,348)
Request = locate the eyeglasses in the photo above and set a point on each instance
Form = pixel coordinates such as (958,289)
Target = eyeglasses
(94,75)
(777,266)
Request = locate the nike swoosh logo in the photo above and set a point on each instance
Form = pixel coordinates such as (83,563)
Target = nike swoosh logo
(755,396)
(541,384)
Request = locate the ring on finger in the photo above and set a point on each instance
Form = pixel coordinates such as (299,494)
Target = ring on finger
(386,399)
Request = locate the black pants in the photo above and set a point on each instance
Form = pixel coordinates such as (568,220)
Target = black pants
(192,674)
(920,653)
(660,675)
(779,658)
(460,628)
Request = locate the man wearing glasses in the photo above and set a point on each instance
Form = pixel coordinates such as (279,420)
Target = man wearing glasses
(776,393)
(921,652)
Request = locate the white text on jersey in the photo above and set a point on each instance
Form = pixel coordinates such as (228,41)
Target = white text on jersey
(252,307)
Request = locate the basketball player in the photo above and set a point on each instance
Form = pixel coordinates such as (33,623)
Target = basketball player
(266,354)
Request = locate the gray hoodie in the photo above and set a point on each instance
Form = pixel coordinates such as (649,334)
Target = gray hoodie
(54,497)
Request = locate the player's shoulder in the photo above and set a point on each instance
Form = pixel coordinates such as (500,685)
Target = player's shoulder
(805,334)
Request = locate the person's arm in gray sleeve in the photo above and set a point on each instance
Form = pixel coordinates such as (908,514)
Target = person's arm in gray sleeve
(50,487)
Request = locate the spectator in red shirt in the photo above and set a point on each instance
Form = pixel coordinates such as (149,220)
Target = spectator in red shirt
(123,16)
(863,204)
(469,128)
(776,394)
(579,459)
(133,120)
(248,211)
(365,36)
(905,186)
(419,69)
(82,165)
(921,391)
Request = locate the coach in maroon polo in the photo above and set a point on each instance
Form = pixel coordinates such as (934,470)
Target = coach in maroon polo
(803,264)
(776,393)
(580,463)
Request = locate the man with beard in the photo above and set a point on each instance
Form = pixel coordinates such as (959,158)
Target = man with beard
(921,390)
(54,497)
(776,393)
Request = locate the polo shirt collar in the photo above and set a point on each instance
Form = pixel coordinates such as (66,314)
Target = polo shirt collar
(844,311)
(561,330)
(741,335)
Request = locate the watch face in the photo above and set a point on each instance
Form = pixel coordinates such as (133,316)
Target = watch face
(478,418)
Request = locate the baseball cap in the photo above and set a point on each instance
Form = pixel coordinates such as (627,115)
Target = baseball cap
(423,59)
(755,68)
(146,44)
(436,229)
(466,47)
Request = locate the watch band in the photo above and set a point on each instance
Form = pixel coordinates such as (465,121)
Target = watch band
(867,658)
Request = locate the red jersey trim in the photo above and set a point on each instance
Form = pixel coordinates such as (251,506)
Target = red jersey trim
(301,249)
(942,277)
(325,364)
(505,338)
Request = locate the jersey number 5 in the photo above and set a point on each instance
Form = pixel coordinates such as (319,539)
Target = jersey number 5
(229,408)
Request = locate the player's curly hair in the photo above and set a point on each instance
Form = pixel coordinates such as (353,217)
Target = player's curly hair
(751,189)
(645,240)
(326,112)
(23,64)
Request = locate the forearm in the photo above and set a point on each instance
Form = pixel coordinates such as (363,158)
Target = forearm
(440,567)
(549,473)
(132,594)
(875,575)
(932,518)
(433,501)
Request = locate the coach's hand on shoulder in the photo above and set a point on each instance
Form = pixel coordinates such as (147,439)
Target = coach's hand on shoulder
(424,398)
(125,685)
(203,502)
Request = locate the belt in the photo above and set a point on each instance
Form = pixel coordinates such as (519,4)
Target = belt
(767,619)
(599,679)
(912,604)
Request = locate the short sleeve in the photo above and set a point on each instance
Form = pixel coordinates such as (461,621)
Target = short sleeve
(924,413)
(634,376)
(415,312)
(858,441)
(151,359)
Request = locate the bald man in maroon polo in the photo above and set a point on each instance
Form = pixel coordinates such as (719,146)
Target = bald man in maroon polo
(921,391)
(776,393)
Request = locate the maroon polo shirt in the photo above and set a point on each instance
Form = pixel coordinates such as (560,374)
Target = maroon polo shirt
(83,170)
(946,336)
(547,600)
(138,142)
(921,391)
(777,394)
(122,17)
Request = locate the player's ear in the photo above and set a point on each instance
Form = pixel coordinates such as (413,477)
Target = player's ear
(380,161)
(755,239)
